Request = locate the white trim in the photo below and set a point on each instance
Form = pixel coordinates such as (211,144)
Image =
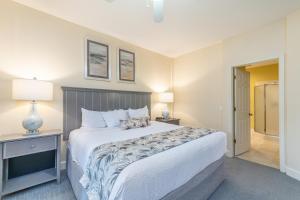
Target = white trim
(282,113)
(63,165)
(260,83)
(229,153)
(282,116)
(293,173)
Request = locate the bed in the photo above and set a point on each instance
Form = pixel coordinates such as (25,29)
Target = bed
(168,175)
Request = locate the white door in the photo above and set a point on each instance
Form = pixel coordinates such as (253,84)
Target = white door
(242,110)
(259,109)
(272,109)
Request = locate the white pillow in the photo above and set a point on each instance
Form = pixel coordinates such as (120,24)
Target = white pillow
(113,118)
(92,119)
(122,114)
(138,113)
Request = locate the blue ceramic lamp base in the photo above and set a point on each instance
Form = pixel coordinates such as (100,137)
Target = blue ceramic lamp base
(33,121)
(165,114)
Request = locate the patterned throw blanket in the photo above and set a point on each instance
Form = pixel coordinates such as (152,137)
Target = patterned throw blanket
(107,161)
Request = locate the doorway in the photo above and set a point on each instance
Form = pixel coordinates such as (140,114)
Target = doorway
(256,113)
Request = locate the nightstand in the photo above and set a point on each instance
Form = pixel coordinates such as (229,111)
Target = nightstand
(27,161)
(169,121)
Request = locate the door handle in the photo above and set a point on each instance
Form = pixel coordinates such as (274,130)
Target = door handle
(250,114)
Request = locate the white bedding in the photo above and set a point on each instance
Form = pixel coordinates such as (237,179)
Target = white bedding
(155,176)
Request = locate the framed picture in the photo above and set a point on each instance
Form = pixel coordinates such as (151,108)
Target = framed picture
(97,64)
(126,65)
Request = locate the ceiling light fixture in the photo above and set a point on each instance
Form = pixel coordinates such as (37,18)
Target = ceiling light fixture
(158,9)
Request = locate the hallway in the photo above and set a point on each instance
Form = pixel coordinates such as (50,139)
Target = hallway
(264,150)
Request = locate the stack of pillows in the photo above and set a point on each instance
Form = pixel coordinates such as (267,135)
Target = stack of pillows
(125,119)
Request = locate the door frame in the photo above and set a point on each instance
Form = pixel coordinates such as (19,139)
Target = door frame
(282,115)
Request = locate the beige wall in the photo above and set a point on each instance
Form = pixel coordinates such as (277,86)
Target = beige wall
(293,94)
(198,87)
(34,44)
(207,73)
(212,68)
(261,44)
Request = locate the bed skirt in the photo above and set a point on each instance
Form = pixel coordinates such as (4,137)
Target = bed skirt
(200,187)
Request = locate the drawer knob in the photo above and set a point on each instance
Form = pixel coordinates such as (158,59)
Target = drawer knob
(32,146)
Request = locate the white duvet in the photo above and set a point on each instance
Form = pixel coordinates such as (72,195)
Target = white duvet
(155,176)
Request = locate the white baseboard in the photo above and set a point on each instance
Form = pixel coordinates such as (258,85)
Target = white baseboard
(293,173)
(229,154)
(63,165)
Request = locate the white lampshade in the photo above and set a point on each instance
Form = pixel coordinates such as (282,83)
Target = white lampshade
(166,97)
(24,89)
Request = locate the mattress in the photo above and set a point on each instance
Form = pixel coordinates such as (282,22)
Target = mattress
(156,175)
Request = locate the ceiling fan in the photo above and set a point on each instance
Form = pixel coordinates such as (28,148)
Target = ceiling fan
(158,9)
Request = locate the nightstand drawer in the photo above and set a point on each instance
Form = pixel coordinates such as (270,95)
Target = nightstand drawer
(28,146)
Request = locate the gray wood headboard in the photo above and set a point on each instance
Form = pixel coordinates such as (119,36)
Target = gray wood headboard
(99,100)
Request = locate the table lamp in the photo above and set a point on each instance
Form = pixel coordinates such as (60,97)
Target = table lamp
(32,90)
(166,97)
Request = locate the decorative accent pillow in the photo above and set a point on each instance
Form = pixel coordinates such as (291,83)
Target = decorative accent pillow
(138,113)
(92,119)
(112,118)
(134,123)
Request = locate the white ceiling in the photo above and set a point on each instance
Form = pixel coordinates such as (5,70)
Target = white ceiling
(188,24)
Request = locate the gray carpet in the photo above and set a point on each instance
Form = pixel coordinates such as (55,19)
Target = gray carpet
(244,181)
(249,181)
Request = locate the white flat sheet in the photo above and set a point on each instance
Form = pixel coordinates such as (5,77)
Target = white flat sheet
(153,177)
